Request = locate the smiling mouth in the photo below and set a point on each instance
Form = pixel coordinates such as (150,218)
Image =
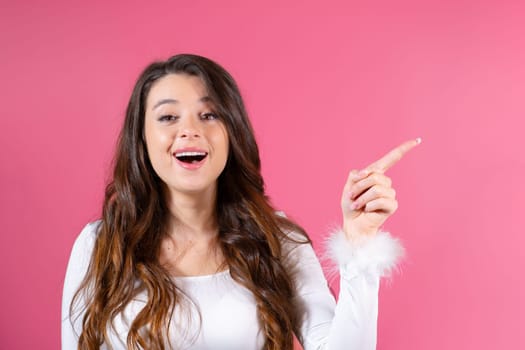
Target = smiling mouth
(191,157)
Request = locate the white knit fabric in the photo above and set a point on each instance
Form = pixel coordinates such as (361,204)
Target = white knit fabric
(226,316)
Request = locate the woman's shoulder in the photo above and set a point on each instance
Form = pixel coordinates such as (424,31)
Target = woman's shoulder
(293,233)
(295,243)
(89,233)
(85,241)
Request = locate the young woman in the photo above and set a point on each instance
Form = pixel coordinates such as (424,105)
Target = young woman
(190,254)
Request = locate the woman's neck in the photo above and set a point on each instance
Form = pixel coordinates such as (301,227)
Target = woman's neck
(193,216)
(192,247)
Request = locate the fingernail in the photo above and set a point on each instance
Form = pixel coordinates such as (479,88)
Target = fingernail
(418,140)
(354,205)
(350,194)
(363,172)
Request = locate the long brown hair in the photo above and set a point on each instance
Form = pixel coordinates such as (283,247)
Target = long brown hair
(135,220)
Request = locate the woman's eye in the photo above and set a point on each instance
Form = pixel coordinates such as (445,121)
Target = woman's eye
(167,118)
(209,116)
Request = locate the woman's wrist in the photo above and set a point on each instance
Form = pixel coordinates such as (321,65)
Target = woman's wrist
(354,233)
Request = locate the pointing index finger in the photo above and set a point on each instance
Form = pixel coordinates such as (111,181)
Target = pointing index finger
(392,157)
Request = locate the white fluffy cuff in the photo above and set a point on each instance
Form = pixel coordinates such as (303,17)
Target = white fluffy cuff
(374,255)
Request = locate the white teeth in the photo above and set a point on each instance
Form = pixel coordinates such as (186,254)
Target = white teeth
(190,154)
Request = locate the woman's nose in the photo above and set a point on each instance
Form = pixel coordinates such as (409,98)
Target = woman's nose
(189,128)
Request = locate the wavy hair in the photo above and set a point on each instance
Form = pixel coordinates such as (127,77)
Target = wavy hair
(135,220)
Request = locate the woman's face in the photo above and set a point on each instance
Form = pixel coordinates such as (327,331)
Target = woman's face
(186,142)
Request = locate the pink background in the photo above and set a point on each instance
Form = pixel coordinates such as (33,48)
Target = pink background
(330,86)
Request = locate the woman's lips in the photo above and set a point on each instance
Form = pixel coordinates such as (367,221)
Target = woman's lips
(190,158)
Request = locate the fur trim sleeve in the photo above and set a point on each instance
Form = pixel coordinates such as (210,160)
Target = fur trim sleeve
(377,255)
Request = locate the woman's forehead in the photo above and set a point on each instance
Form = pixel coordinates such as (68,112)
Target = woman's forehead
(177,88)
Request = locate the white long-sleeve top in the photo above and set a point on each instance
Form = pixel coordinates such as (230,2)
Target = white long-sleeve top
(222,314)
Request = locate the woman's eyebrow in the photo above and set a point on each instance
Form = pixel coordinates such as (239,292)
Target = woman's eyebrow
(164,101)
(204,99)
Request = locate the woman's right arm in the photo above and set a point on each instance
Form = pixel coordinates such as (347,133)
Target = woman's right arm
(76,270)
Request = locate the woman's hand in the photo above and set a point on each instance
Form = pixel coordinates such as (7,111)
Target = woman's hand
(368,197)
